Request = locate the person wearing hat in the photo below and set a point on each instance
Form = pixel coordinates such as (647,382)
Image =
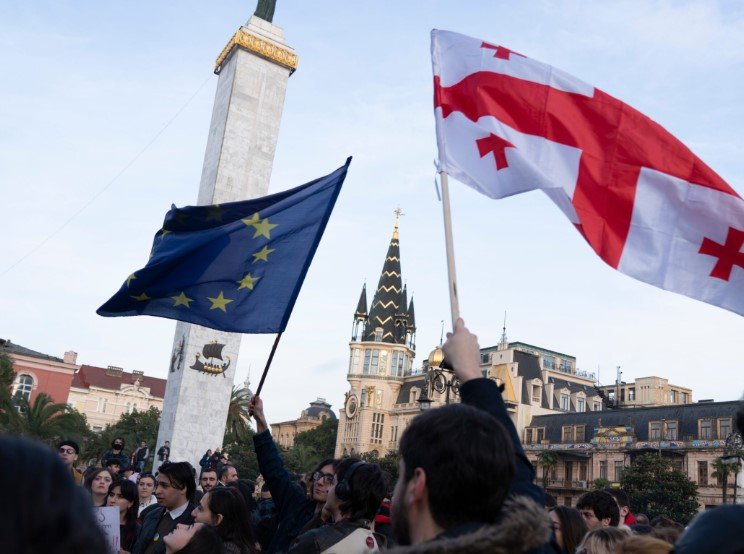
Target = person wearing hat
(68,452)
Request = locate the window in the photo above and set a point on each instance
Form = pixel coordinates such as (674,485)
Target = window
(364,397)
(566,500)
(378,334)
(603,469)
(528,436)
(565,366)
(564,402)
(129,407)
(583,470)
(683,398)
(378,424)
(396,367)
(567,433)
(536,393)
(706,429)
(580,405)
(724,428)
(371,361)
(631,394)
(382,369)
(673,396)
(597,406)
(24,387)
(549,362)
(671,432)
(654,430)
(618,469)
(702,473)
(580,433)
(540,434)
(354,362)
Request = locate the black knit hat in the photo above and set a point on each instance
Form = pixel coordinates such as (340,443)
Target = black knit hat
(70,443)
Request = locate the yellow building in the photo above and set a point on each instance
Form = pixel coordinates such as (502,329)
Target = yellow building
(284,433)
(646,391)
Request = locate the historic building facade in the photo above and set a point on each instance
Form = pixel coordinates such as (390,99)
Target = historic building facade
(590,446)
(646,391)
(105,394)
(39,373)
(284,433)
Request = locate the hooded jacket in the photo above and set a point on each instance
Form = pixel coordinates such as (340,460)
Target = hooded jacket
(523,527)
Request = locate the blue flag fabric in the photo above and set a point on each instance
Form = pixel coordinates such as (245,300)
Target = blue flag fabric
(235,267)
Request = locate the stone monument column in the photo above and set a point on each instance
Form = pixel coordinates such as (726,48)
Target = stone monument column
(253,71)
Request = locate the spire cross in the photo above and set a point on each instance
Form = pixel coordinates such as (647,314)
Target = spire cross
(398,213)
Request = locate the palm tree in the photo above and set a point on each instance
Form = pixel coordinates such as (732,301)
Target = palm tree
(722,472)
(237,413)
(43,419)
(547,460)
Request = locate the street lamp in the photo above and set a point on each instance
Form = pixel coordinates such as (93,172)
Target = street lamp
(438,377)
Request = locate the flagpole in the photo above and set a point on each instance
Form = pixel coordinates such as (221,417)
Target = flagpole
(268,364)
(449,245)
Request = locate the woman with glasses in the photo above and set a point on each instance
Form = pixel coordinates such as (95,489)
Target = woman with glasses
(145,492)
(97,483)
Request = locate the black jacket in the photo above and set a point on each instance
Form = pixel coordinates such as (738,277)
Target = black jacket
(150,526)
(293,508)
(320,539)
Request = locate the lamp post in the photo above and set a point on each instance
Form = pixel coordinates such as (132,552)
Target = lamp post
(437,378)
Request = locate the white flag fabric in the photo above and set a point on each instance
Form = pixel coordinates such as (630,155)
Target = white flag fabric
(643,201)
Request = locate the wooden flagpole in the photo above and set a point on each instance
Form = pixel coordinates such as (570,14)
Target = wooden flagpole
(451,275)
(268,364)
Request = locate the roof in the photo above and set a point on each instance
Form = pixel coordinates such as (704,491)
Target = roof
(91,376)
(686,414)
(404,394)
(8,347)
(318,407)
(523,346)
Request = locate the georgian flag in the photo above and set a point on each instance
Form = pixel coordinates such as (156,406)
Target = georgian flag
(642,200)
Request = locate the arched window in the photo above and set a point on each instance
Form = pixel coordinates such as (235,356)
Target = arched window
(378,334)
(129,407)
(24,387)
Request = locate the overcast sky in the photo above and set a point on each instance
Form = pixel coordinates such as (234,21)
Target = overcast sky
(105,109)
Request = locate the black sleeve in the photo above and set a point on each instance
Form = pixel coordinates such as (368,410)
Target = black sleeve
(485,395)
(284,492)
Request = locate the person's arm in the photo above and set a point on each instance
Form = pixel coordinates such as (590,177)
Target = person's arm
(463,352)
(284,492)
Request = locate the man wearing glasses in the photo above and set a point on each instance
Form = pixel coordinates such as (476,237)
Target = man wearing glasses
(68,453)
(297,511)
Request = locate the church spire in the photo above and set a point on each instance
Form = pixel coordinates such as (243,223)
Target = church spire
(360,316)
(386,315)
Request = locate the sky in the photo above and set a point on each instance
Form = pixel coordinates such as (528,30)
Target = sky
(105,109)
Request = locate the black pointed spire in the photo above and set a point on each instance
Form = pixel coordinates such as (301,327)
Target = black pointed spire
(411,316)
(361,311)
(386,302)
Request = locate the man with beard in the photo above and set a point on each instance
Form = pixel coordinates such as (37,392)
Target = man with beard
(465,484)
(208,479)
(295,512)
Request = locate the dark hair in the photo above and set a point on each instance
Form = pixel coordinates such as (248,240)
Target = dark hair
(620,496)
(205,540)
(641,529)
(468,459)
(669,534)
(90,477)
(235,526)
(550,501)
(573,527)
(367,485)
(246,487)
(123,442)
(223,471)
(51,513)
(128,491)
(147,475)
(70,443)
(207,470)
(602,504)
(181,476)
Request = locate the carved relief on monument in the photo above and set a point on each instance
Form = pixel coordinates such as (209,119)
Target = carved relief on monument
(210,359)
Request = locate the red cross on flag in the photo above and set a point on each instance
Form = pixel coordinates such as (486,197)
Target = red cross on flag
(643,201)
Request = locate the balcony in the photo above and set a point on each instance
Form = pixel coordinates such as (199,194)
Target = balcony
(568,484)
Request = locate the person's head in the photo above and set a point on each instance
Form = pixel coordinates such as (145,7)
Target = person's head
(208,479)
(569,527)
(208,453)
(667,534)
(145,486)
(123,494)
(225,509)
(550,501)
(117,443)
(45,510)
(357,490)
(602,540)
(113,466)
(642,519)
(143,444)
(456,466)
(321,479)
(98,481)
(196,538)
(643,544)
(127,472)
(68,452)
(174,484)
(623,504)
(227,475)
(599,509)
(642,529)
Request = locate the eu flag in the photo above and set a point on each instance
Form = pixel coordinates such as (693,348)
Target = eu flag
(235,267)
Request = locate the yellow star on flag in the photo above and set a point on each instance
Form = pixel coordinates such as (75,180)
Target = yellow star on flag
(219,303)
(252,221)
(247,282)
(131,278)
(181,300)
(163,232)
(263,228)
(263,254)
(142,297)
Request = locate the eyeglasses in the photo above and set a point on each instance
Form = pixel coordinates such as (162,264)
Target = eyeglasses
(327,477)
(67,451)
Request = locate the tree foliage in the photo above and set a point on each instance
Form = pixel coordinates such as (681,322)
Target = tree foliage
(42,419)
(133,427)
(311,447)
(389,464)
(242,453)
(547,460)
(656,488)
(238,417)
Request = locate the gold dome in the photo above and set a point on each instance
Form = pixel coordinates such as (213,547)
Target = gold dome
(436,357)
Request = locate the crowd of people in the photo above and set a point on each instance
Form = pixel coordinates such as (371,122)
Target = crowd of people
(464,486)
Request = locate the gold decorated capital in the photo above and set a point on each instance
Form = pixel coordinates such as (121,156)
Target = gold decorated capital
(259,46)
